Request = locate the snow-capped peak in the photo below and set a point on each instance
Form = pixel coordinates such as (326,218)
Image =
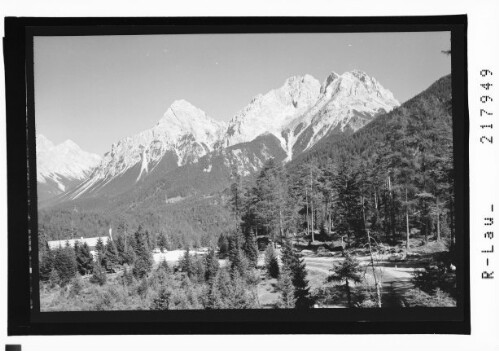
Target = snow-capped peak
(65,160)
(183,118)
(346,102)
(303,104)
(184,133)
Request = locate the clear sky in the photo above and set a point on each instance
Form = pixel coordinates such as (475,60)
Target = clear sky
(96,90)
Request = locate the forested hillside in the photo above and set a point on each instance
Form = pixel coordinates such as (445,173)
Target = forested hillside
(393,177)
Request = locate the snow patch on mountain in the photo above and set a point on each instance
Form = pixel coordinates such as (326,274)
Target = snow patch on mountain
(144,169)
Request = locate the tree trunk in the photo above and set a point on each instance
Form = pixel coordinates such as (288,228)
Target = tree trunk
(406,223)
(438,220)
(385,222)
(376,283)
(392,210)
(306,201)
(280,224)
(329,225)
(452,227)
(349,297)
(363,212)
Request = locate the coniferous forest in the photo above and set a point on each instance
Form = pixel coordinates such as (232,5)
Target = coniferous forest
(364,220)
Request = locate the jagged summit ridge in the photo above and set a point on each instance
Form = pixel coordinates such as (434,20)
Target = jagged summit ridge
(299,113)
(303,110)
(347,102)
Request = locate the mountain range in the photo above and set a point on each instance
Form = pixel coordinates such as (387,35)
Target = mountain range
(282,123)
(189,202)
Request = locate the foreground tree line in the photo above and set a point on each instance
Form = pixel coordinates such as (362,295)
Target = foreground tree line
(76,282)
(195,281)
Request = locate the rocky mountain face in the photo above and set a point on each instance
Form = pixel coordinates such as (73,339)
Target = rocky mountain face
(303,111)
(59,167)
(182,135)
(281,124)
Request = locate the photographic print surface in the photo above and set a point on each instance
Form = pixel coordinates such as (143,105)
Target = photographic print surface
(245,171)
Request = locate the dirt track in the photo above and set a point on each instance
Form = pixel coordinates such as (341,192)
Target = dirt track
(395,280)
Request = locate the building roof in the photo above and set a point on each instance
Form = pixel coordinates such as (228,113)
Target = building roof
(91,242)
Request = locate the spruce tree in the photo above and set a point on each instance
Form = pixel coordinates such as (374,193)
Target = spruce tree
(99,275)
(163,242)
(251,249)
(46,265)
(239,296)
(238,262)
(295,264)
(84,259)
(347,271)
(223,245)
(218,290)
(186,264)
(129,255)
(212,265)
(163,265)
(287,291)
(229,291)
(100,250)
(143,262)
(271,262)
(111,257)
(65,264)
(120,248)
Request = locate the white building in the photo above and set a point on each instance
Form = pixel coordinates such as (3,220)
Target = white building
(91,242)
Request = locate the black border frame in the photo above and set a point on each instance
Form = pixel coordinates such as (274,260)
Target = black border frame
(24,317)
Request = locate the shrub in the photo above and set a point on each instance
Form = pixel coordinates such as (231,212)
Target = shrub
(126,277)
(436,275)
(99,275)
(46,266)
(163,300)
(76,286)
(419,298)
(65,265)
(143,288)
(54,279)
(271,263)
